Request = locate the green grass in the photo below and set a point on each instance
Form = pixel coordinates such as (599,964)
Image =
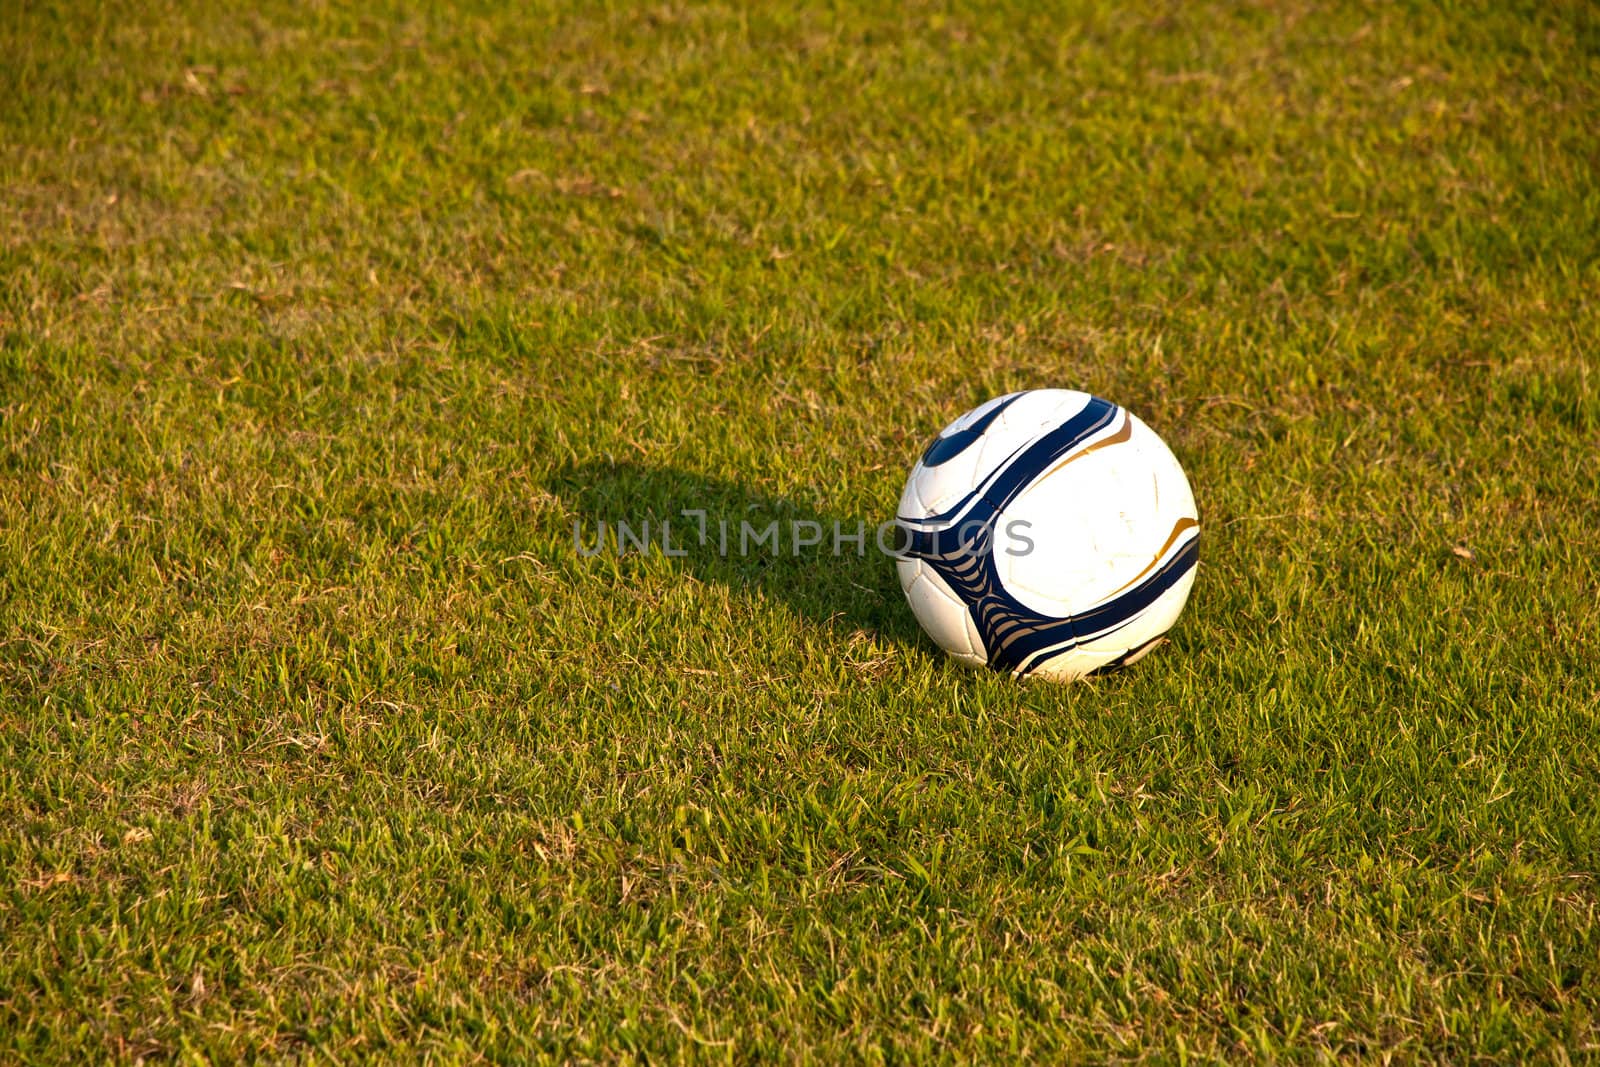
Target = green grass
(319,327)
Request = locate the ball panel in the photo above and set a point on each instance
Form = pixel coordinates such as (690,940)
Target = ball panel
(941,488)
(910,505)
(942,615)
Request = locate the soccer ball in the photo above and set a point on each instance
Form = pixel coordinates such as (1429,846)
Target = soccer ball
(1047,533)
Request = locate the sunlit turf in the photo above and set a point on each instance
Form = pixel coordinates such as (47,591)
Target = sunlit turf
(321,326)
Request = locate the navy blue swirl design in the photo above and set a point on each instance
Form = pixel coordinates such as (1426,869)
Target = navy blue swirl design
(943,449)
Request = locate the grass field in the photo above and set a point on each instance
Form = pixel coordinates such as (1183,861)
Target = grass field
(321,326)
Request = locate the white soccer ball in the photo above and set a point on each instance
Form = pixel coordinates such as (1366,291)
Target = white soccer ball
(1047,533)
